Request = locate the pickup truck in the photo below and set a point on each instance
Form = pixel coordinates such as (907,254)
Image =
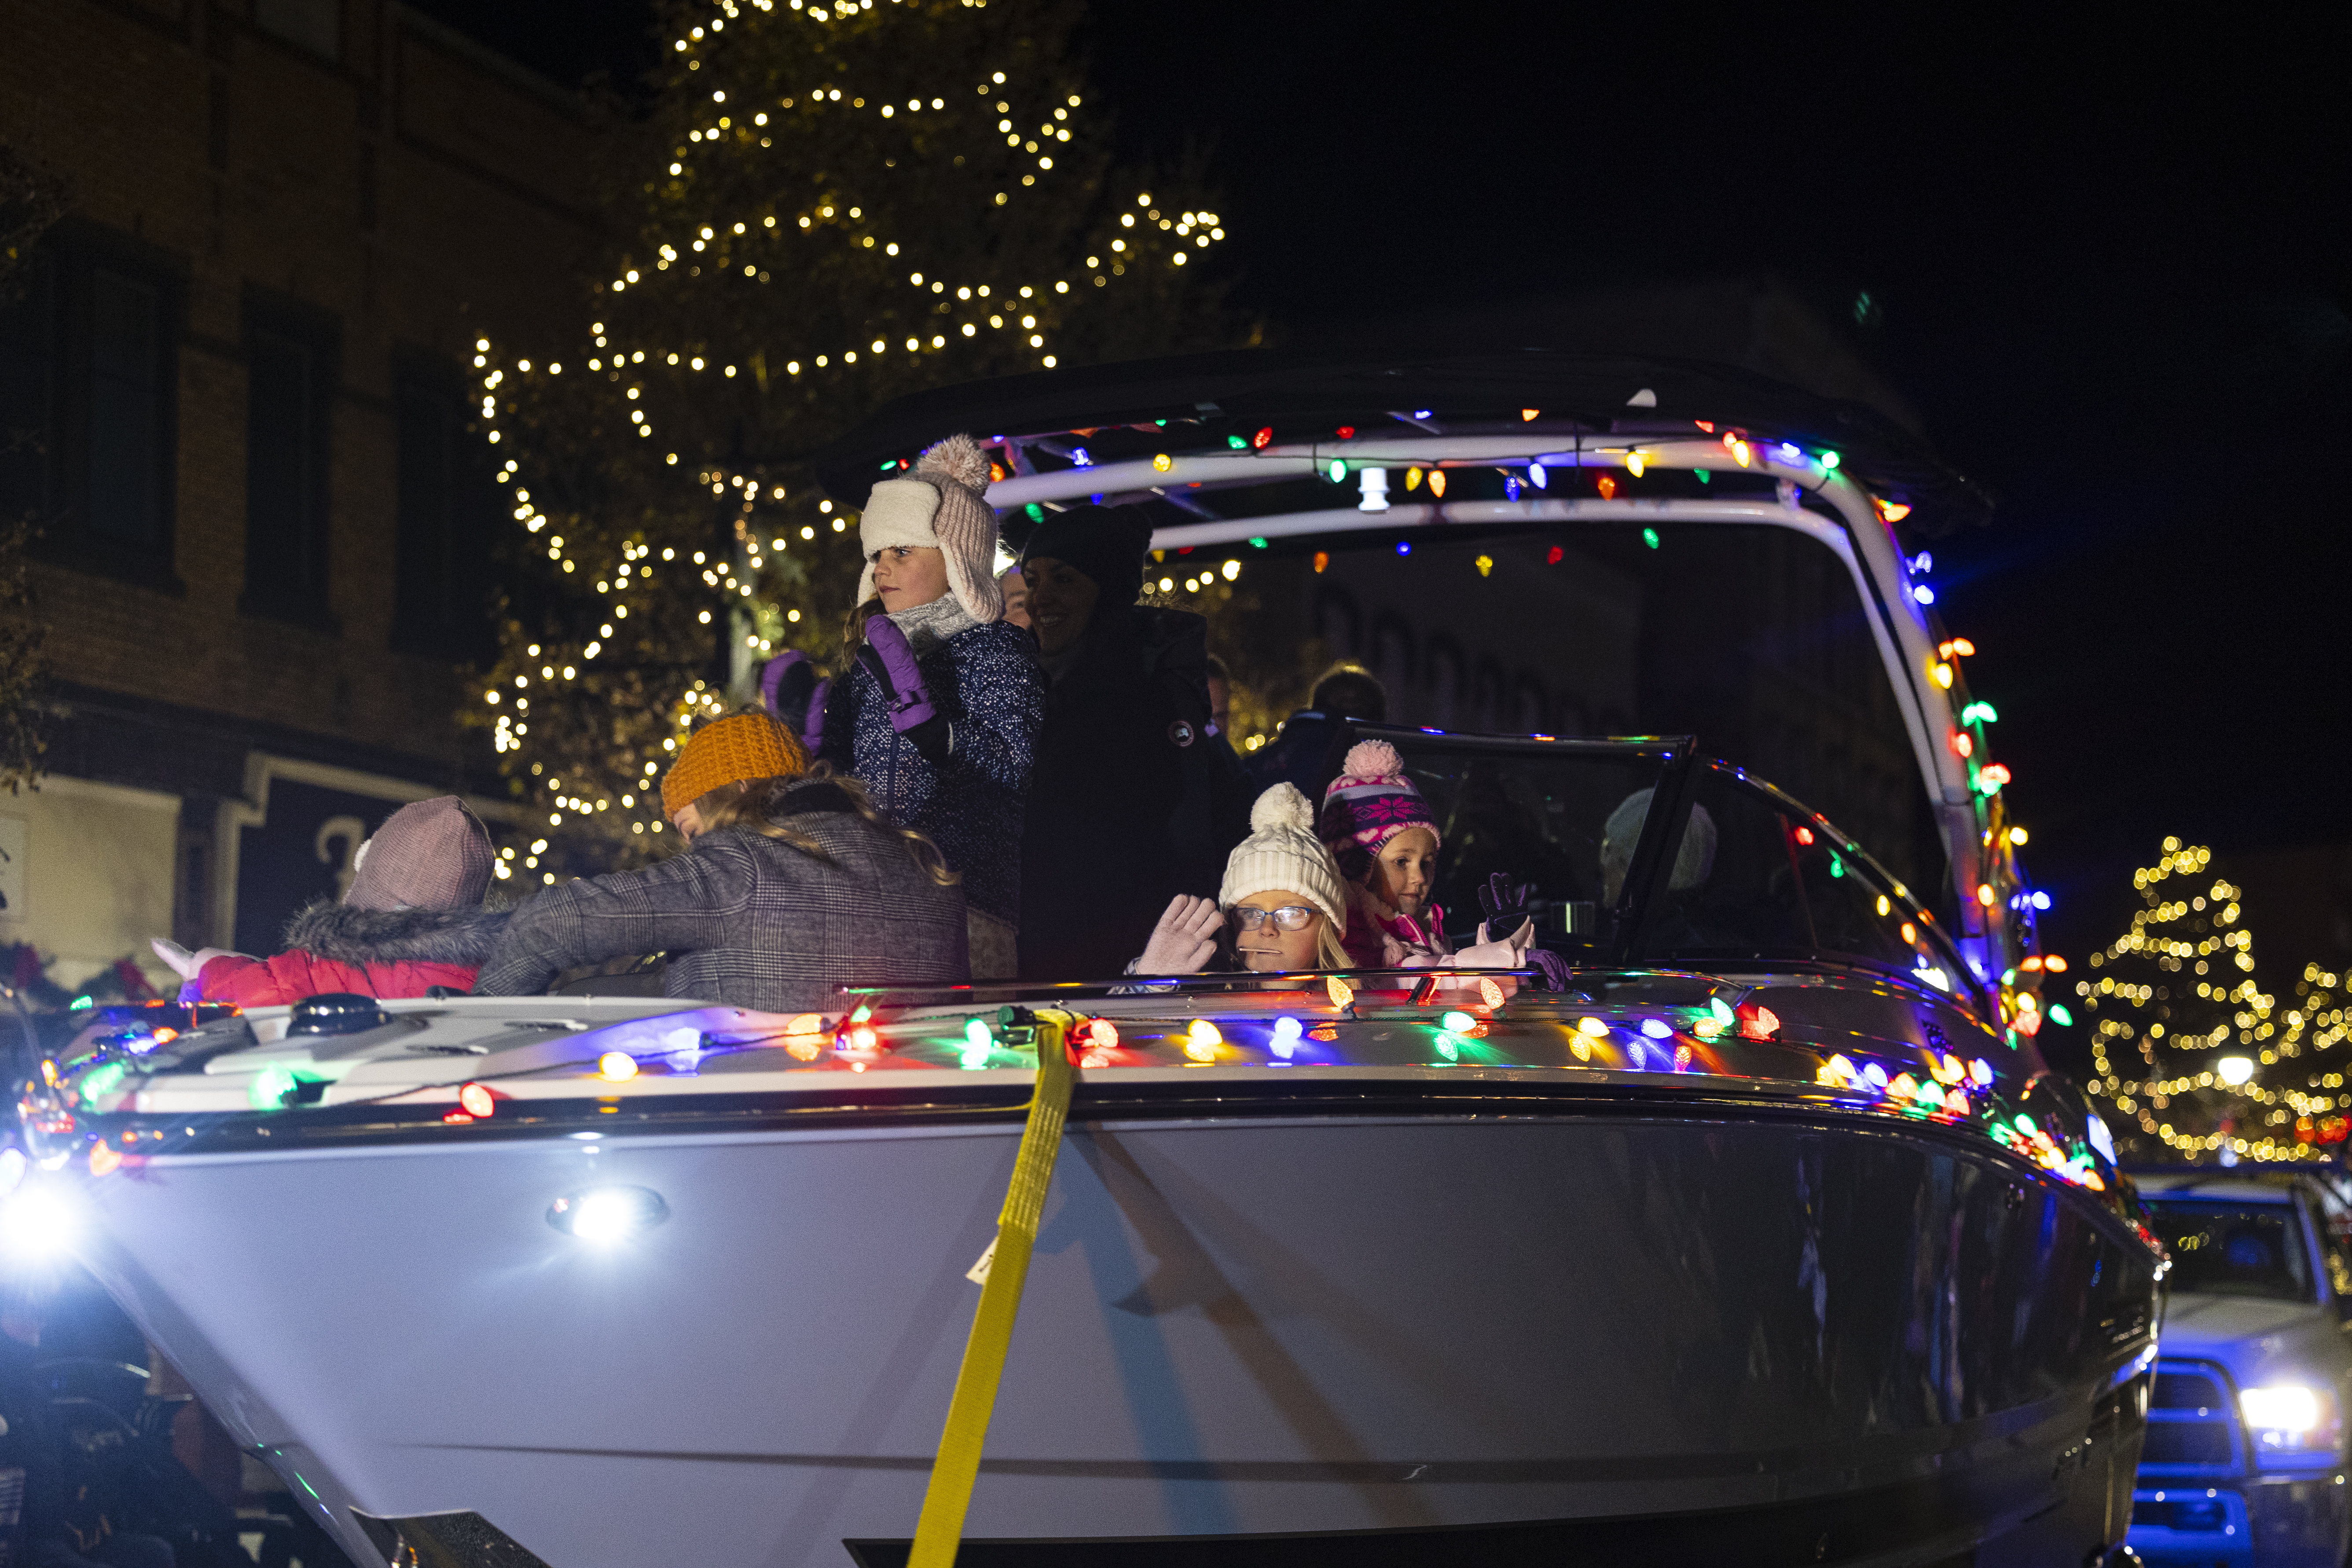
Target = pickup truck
(2245,1464)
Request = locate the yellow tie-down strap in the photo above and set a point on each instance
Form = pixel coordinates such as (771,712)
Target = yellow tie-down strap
(1002,1271)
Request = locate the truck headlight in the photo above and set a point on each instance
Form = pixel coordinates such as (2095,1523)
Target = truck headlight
(2289,1416)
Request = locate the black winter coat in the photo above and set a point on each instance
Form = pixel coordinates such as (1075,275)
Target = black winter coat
(1132,800)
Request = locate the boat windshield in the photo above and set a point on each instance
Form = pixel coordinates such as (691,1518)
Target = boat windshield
(2235,1249)
(1533,814)
(1752,639)
(1759,877)
(1756,876)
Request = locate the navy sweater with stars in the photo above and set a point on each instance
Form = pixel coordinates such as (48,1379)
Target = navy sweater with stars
(986,682)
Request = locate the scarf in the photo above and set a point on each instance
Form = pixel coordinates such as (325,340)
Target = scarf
(928,626)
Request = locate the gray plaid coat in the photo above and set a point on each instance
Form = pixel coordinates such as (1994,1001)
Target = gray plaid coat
(750,921)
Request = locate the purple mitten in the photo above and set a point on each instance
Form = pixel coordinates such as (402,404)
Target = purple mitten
(784,685)
(886,653)
(812,737)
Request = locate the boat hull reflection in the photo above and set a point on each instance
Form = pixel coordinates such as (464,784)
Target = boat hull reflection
(1840,1341)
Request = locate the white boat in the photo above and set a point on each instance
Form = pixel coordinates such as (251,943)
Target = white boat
(1768,1238)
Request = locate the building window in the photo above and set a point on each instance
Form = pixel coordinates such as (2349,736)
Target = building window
(28,332)
(313,24)
(88,375)
(290,387)
(445,502)
(127,413)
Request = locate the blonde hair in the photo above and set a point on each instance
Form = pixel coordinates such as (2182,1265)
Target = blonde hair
(747,804)
(853,626)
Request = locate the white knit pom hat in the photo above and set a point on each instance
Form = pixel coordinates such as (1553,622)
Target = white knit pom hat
(1282,854)
(941,508)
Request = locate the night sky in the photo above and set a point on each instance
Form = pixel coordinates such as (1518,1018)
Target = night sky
(2110,270)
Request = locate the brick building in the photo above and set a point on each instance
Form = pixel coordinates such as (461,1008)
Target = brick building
(238,372)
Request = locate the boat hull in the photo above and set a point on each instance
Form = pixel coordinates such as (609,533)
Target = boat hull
(1234,1328)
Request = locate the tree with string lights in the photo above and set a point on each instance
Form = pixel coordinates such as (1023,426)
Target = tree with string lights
(828,207)
(2195,1056)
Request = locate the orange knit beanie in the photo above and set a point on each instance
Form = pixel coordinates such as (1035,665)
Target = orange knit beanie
(740,746)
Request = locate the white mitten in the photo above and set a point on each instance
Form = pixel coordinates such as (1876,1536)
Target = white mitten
(181,961)
(1510,952)
(1184,938)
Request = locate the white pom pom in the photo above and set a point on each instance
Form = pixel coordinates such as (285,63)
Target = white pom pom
(960,458)
(1282,806)
(1372,759)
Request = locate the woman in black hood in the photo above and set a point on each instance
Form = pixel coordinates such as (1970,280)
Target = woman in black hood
(1131,802)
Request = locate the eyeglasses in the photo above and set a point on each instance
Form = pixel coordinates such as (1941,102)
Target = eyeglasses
(1291,917)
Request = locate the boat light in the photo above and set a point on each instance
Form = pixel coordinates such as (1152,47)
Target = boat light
(1657,1028)
(1588,1024)
(477,1101)
(1759,1024)
(616,1067)
(1458,1023)
(1202,1040)
(36,1223)
(606,1214)
(1490,992)
(1342,994)
(2233,1071)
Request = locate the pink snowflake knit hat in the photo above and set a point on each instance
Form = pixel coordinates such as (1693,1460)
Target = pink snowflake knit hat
(1371,800)
(942,506)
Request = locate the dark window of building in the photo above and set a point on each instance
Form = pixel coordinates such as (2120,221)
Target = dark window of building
(88,375)
(125,480)
(313,24)
(290,386)
(446,503)
(28,332)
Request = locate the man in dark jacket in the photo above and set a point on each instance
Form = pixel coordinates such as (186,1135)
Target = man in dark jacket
(1131,801)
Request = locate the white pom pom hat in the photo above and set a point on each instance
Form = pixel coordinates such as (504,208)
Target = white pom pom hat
(941,508)
(1283,855)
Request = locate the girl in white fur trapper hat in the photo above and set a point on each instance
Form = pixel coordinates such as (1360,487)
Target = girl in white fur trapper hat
(938,711)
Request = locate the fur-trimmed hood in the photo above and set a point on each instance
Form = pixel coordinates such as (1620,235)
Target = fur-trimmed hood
(349,935)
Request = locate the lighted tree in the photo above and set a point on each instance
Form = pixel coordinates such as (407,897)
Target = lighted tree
(2177,1014)
(31,201)
(845,204)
